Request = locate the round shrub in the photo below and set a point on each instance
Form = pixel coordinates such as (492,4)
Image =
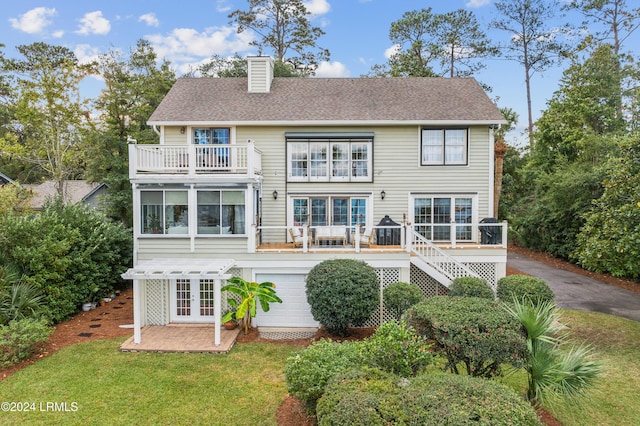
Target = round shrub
(19,339)
(342,293)
(477,332)
(375,399)
(471,287)
(519,286)
(307,372)
(399,296)
(396,348)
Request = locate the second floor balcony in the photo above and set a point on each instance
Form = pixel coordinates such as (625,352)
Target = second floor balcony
(193,160)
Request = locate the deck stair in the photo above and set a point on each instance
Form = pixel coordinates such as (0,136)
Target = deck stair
(435,261)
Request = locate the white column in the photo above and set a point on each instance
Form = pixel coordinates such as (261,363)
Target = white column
(217,305)
(137,312)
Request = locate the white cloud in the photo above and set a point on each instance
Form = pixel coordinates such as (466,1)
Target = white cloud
(86,54)
(33,21)
(474,4)
(188,45)
(317,7)
(94,23)
(57,34)
(149,19)
(332,69)
(222,6)
(388,53)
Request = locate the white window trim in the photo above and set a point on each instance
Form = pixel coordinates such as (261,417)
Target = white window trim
(329,177)
(474,209)
(465,160)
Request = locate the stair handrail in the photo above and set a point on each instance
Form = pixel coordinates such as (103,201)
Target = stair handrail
(437,258)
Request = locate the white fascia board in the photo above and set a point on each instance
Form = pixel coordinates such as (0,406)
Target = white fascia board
(331,123)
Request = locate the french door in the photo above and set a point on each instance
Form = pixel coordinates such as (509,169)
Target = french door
(192,300)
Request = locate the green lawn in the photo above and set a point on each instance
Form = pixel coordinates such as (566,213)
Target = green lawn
(247,385)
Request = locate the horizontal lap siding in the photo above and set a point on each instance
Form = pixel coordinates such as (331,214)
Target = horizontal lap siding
(174,247)
(396,168)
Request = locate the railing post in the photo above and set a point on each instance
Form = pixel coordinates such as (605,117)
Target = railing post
(251,152)
(409,231)
(191,151)
(504,233)
(251,240)
(452,234)
(356,235)
(133,161)
(305,240)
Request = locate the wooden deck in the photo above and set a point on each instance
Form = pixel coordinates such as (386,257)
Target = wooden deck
(181,338)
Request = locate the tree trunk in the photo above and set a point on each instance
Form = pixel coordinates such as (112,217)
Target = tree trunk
(500,149)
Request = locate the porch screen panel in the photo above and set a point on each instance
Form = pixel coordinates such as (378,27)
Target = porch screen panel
(208,212)
(151,211)
(176,212)
(233,212)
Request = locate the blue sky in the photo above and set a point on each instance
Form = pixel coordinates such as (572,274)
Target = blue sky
(188,32)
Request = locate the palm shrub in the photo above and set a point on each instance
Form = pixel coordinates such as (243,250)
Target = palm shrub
(395,347)
(519,286)
(471,287)
(476,332)
(342,293)
(251,294)
(20,300)
(399,296)
(555,368)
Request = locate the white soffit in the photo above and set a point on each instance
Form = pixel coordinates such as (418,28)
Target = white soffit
(180,268)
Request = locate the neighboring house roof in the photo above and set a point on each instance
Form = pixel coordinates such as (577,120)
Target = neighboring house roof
(76,191)
(334,100)
(4,179)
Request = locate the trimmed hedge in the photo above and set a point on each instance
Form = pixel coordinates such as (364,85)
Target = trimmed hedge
(471,287)
(307,372)
(477,332)
(19,339)
(519,286)
(396,348)
(342,293)
(374,398)
(400,296)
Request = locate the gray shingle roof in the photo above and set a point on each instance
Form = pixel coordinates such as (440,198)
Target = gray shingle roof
(327,100)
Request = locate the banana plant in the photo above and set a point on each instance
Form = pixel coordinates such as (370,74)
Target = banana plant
(251,294)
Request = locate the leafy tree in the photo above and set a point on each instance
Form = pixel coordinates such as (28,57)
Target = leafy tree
(617,18)
(533,41)
(13,198)
(236,66)
(609,242)
(432,45)
(50,119)
(283,26)
(135,86)
(500,149)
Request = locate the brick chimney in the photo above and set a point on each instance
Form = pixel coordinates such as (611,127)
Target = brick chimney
(260,71)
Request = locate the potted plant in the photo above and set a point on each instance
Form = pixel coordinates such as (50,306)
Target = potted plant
(154,224)
(251,294)
(231,323)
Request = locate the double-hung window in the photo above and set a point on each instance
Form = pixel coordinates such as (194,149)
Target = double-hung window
(164,212)
(435,217)
(444,147)
(330,159)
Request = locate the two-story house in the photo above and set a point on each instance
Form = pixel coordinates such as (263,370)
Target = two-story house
(265,177)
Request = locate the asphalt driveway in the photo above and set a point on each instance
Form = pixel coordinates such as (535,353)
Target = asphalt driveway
(576,291)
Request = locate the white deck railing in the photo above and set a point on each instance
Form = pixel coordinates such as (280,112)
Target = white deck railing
(194,159)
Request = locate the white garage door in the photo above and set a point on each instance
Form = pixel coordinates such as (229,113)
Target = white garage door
(294,311)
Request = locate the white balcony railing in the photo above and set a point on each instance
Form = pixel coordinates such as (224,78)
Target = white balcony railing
(194,159)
